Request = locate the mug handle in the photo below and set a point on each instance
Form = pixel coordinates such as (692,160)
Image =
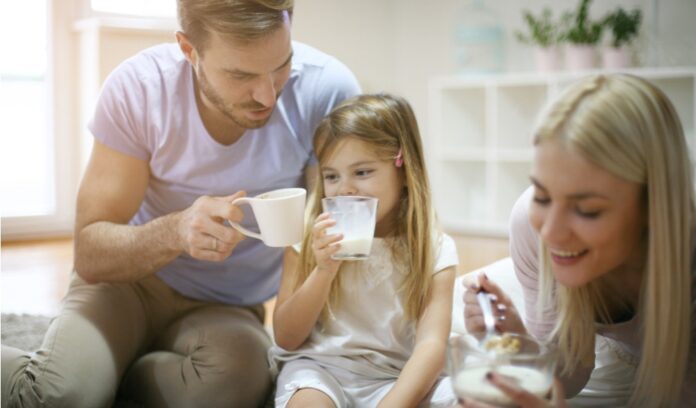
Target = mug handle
(244,200)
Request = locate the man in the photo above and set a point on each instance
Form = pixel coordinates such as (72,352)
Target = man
(166,306)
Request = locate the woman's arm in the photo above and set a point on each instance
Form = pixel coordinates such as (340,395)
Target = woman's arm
(428,358)
(297,311)
(524,244)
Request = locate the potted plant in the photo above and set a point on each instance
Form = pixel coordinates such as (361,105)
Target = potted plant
(544,35)
(582,36)
(624,28)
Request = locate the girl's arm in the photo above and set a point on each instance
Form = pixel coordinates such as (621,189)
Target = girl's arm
(296,312)
(428,358)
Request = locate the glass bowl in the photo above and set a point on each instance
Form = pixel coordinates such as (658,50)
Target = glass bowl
(519,358)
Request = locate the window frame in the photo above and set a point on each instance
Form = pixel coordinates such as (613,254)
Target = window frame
(60,114)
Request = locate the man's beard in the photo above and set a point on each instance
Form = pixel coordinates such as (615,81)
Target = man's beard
(232,112)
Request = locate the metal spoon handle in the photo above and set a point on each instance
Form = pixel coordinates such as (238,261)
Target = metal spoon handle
(484,300)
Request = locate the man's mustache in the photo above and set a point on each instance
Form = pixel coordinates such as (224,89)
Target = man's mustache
(254,105)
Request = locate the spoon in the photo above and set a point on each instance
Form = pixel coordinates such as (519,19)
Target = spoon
(484,300)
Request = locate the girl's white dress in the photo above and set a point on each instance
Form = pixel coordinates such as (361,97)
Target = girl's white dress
(356,356)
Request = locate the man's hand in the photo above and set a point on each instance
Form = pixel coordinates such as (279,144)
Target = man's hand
(201,228)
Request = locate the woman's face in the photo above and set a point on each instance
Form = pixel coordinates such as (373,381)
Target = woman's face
(590,220)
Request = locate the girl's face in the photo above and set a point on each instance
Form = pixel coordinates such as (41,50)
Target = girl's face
(590,220)
(354,169)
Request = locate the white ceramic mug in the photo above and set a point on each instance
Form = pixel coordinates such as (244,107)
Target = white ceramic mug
(280,215)
(355,219)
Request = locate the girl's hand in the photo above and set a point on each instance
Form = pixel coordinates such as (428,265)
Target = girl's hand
(324,245)
(507,319)
(520,397)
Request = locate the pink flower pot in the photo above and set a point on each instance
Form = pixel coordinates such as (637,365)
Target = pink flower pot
(580,57)
(547,59)
(616,58)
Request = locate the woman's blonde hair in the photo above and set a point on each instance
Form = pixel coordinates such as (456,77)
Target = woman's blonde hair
(388,125)
(244,20)
(627,126)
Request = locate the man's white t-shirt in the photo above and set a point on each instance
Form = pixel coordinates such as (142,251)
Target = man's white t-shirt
(147,109)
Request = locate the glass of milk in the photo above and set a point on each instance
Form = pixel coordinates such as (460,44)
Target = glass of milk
(355,219)
(531,367)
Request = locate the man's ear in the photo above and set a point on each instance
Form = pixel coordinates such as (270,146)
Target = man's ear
(187,48)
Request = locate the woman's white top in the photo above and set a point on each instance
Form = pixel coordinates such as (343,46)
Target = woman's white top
(617,346)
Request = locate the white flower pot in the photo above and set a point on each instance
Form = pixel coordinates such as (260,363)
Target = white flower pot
(547,59)
(580,57)
(616,58)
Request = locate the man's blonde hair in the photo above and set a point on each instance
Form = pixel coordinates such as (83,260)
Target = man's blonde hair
(244,20)
(627,126)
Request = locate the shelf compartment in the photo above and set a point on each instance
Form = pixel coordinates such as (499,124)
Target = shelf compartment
(516,114)
(512,180)
(460,191)
(463,118)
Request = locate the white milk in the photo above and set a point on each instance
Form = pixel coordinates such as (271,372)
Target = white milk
(472,383)
(354,248)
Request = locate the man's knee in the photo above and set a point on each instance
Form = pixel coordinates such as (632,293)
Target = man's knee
(238,371)
(212,373)
(31,385)
(236,388)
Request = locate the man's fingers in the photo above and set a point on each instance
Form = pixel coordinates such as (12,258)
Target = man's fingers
(223,208)
(234,196)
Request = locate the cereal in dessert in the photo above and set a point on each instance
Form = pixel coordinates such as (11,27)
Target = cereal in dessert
(505,344)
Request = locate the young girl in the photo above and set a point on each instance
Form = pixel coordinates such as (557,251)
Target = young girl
(374,332)
(604,245)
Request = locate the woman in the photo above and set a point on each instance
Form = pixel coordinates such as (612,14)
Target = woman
(603,243)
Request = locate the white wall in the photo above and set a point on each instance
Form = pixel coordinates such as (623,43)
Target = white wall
(391,45)
(397,45)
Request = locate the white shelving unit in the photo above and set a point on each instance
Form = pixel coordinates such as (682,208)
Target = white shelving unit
(480,139)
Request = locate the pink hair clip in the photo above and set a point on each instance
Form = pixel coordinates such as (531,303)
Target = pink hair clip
(399,159)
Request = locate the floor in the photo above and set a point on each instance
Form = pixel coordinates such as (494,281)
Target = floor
(34,275)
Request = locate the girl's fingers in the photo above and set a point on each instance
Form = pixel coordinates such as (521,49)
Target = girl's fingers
(320,227)
(327,241)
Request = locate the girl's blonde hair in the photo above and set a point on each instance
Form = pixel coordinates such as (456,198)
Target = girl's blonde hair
(388,125)
(628,127)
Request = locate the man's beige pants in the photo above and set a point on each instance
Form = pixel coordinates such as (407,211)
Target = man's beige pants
(145,342)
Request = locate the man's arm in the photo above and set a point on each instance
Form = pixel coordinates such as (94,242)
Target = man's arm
(107,249)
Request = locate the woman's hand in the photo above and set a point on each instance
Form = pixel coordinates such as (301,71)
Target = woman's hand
(520,397)
(507,319)
(324,245)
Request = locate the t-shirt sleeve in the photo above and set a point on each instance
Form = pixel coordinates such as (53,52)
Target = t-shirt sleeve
(524,250)
(119,116)
(447,254)
(335,84)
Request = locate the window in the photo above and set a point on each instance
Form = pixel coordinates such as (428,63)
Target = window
(26,144)
(142,8)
